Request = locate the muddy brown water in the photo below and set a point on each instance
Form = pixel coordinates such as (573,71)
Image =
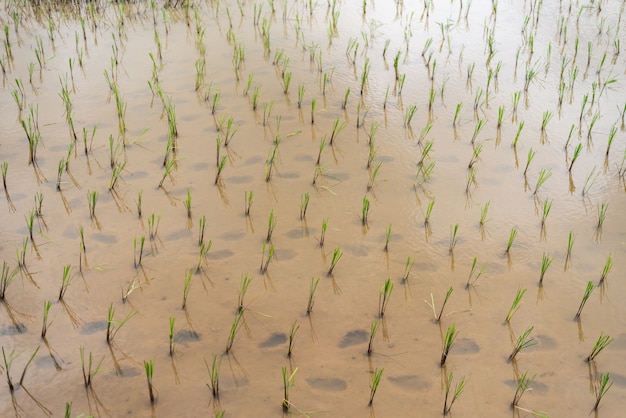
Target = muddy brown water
(334,372)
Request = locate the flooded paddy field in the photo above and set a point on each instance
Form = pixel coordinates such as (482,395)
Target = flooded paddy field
(335,208)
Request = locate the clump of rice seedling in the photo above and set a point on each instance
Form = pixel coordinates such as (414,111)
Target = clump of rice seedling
(214,375)
(365,208)
(292,337)
(28,363)
(546,260)
(443,305)
(479,127)
(265,260)
(186,288)
(577,151)
(113,325)
(483,213)
(201,228)
(602,343)
(518,133)
(512,236)
(300,95)
(46,310)
(471,281)
(313,103)
(523,385)
(171,335)
(544,175)
(323,233)
(457,112)
(312,288)
(141,245)
(149,367)
(365,74)
(586,295)
(89,372)
(383,296)
(288,382)
(202,257)
(345,99)
(271,225)
(248,196)
(373,174)
(6,279)
(547,206)
(608,265)
(603,385)
(338,126)
(460,386)
(570,244)
(515,305)
(304,204)
(243,289)
(378,374)
(138,202)
(529,159)
(233,331)
(408,115)
(387,237)
(453,237)
(429,211)
(92,199)
(30,223)
(337,254)
(602,208)
(523,342)
(373,329)
(187,203)
(408,266)
(448,341)
(66,280)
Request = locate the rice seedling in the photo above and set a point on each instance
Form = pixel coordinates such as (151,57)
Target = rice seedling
(483,213)
(116,173)
(365,207)
(186,288)
(337,254)
(603,385)
(149,368)
(323,232)
(516,303)
(545,119)
(608,265)
(142,241)
(448,342)
(590,180)
(443,305)
(476,151)
(523,342)
(87,365)
(153,226)
(544,175)
(546,260)
(201,229)
(571,237)
(304,204)
(378,374)
(523,385)
(28,363)
(138,202)
(60,170)
(603,342)
(248,196)
(373,174)
(365,74)
(220,167)
(288,382)
(243,289)
(311,300)
(344,103)
(292,337)
(602,208)
(547,206)
(383,296)
(267,112)
(313,103)
(301,91)
(6,279)
(453,237)
(426,151)
(480,124)
(408,115)
(457,113)
(577,151)
(256,94)
(66,280)
(470,278)
(114,325)
(265,260)
(271,225)
(21,254)
(610,140)
(233,331)
(586,295)
(373,329)
(460,386)
(387,237)
(214,375)
(30,223)
(517,134)
(92,199)
(171,335)
(529,159)
(46,310)
(338,126)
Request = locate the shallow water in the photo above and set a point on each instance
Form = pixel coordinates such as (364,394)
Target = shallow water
(334,370)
